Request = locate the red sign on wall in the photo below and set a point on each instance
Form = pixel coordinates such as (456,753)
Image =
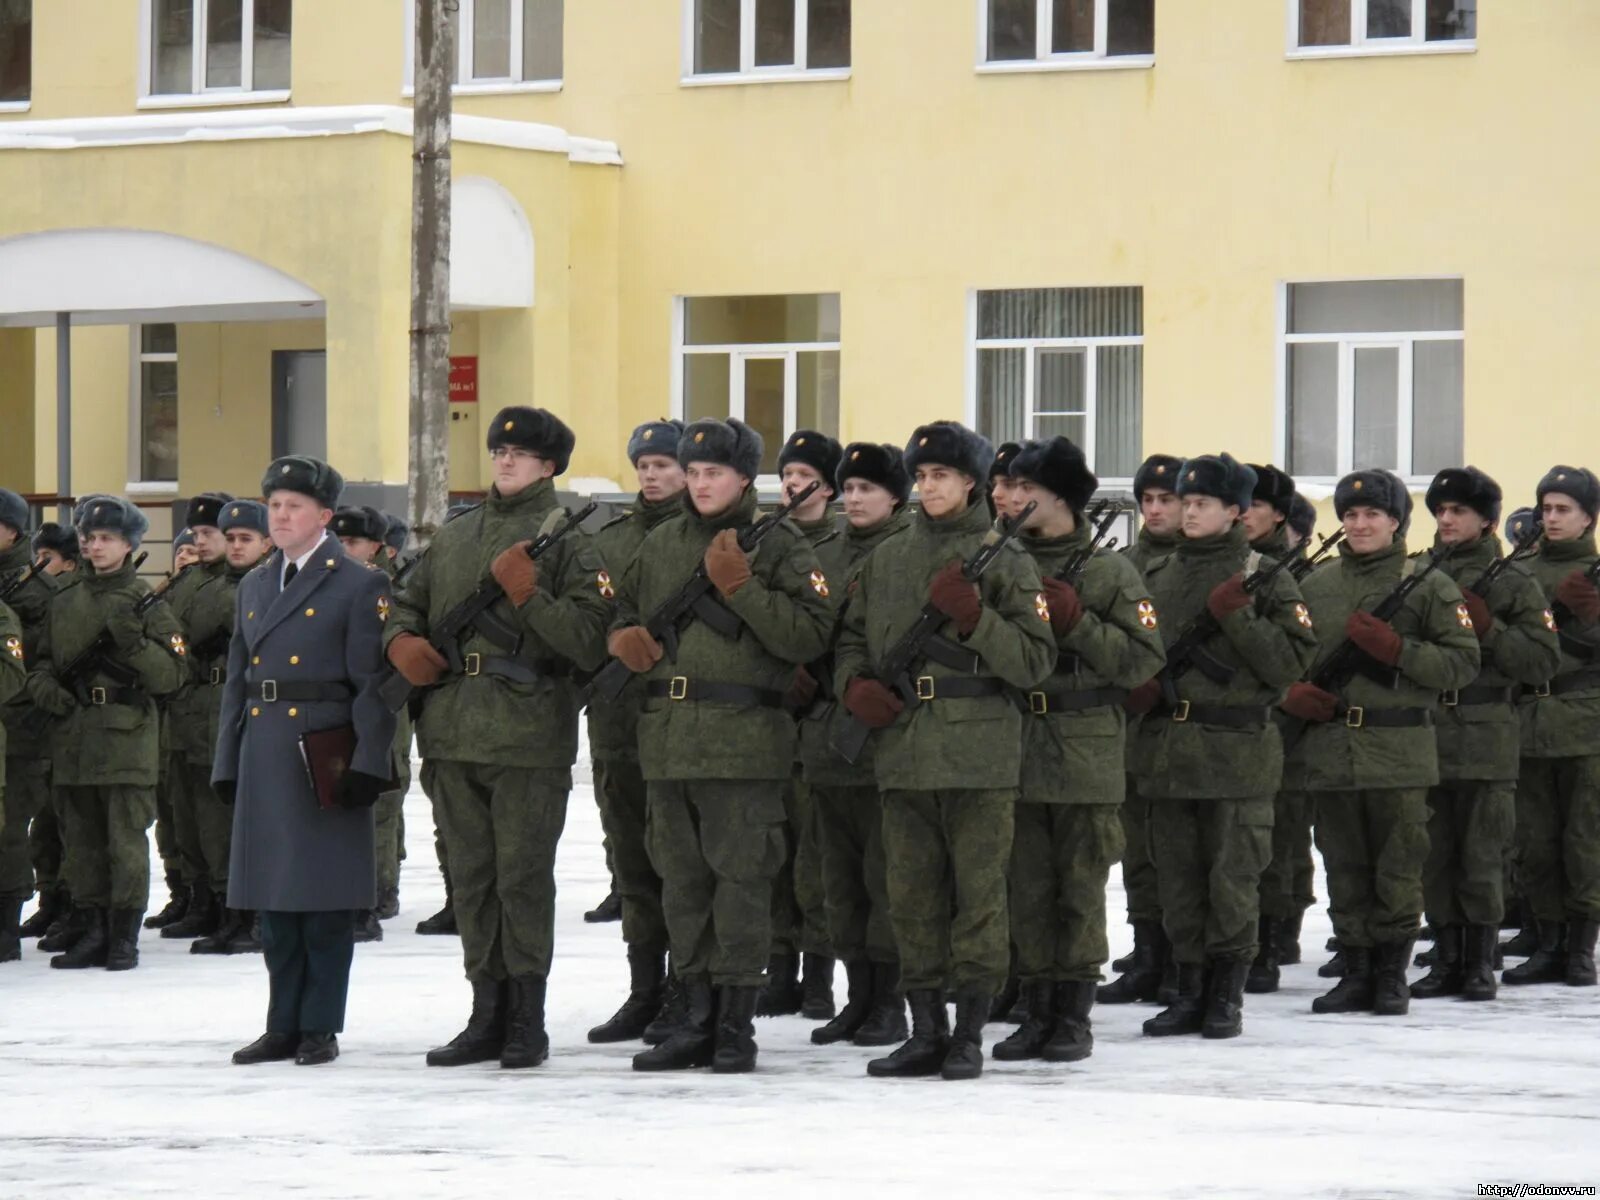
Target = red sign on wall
(464,379)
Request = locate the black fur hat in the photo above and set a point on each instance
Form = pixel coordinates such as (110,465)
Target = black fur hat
(1376,489)
(1060,466)
(1005,454)
(880,464)
(63,539)
(816,450)
(1577,482)
(1465,485)
(1273,486)
(1157,471)
(534,430)
(360,522)
(655,437)
(306,475)
(1518,522)
(205,508)
(950,444)
(244,514)
(731,443)
(116,516)
(1219,475)
(13,511)
(1302,516)
(396,533)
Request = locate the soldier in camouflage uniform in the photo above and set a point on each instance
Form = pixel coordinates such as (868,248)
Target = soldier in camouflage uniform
(948,768)
(1519,913)
(23,786)
(715,744)
(1558,789)
(614,749)
(1068,828)
(1368,753)
(1209,756)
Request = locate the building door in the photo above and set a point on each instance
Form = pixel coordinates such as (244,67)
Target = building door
(300,403)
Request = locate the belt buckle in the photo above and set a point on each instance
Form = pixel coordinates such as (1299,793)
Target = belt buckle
(1038,703)
(269,691)
(1355,716)
(97,695)
(1180,711)
(474,664)
(678,688)
(1450,698)
(216,676)
(925,688)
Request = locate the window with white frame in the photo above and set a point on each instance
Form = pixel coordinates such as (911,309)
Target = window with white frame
(771,361)
(500,44)
(216,47)
(1372,377)
(1374,26)
(766,37)
(153,454)
(1067,32)
(16,51)
(1064,361)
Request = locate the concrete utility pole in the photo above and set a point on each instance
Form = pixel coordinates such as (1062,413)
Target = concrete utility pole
(430,269)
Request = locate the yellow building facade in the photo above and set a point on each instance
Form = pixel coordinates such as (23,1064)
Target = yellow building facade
(1325,233)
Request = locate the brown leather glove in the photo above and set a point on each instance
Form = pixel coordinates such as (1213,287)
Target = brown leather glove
(956,597)
(874,705)
(1066,609)
(801,692)
(1580,596)
(420,663)
(635,647)
(1478,610)
(1376,637)
(516,573)
(1143,698)
(1228,597)
(1309,702)
(726,563)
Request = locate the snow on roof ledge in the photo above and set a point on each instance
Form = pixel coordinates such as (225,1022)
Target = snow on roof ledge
(222,125)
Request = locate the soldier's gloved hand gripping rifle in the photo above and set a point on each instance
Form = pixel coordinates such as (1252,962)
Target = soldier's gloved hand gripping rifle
(96,656)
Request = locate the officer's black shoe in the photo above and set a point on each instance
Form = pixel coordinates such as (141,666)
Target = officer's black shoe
(1073,1037)
(857,1004)
(646,970)
(1478,946)
(609,909)
(1580,953)
(735,1044)
(10,923)
(388,903)
(1525,942)
(315,1049)
(177,904)
(527,1043)
(885,1024)
(234,922)
(1354,991)
(1141,981)
(964,1059)
(1224,1014)
(201,919)
(485,1034)
(1187,1010)
(1548,963)
(924,1052)
(1336,966)
(1447,973)
(367,927)
(1263,976)
(442,923)
(65,931)
(53,902)
(1289,939)
(89,950)
(816,987)
(693,1042)
(780,996)
(1030,1037)
(269,1047)
(123,930)
(674,1011)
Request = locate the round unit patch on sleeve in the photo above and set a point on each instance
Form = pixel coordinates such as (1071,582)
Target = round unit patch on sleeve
(819,584)
(603,581)
(1550,621)
(1463,617)
(1303,615)
(1147,613)
(1042,607)
(179,647)
(14,647)
(383,608)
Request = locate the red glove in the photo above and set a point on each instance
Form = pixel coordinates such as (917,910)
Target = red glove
(1143,698)
(874,705)
(420,663)
(956,597)
(1478,610)
(801,692)
(635,647)
(1066,609)
(1376,637)
(726,563)
(1309,702)
(1228,597)
(1580,596)
(516,573)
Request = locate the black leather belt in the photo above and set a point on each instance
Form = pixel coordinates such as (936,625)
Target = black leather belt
(1481,693)
(680,687)
(1572,681)
(1357,717)
(946,653)
(511,668)
(269,691)
(97,696)
(1232,716)
(1043,703)
(956,687)
(216,677)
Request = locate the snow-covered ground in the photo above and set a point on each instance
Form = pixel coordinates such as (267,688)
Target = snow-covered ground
(120,1084)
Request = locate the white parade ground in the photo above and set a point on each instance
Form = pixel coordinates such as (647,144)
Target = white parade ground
(121,1085)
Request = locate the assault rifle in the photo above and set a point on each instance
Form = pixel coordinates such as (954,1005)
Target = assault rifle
(1099,517)
(1301,567)
(10,588)
(96,656)
(1519,549)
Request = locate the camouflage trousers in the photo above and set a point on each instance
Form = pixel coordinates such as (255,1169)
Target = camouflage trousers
(1558,837)
(717,844)
(1470,823)
(1138,867)
(106,832)
(202,824)
(1061,857)
(1286,884)
(172,860)
(799,905)
(45,849)
(26,795)
(388,833)
(1209,857)
(502,825)
(947,853)
(624,799)
(1373,844)
(855,879)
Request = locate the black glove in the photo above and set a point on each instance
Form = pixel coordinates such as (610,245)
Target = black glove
(357,789)
(126,630)
(225,790)
(50,695)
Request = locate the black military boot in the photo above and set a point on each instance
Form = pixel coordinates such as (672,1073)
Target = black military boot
(1525,942)
(1548,963)
(1030,1036)
(674,1011)
(1446,973)
(10,924)
(780,996)
(816,987)
(485,1034)
(1354,991)
(1121,966)
(200,920)
(65,931)
(923,1053)
(1391,994)
(177,904)
(1073,1037)
(857,1004)
(388,903)
(367,927)
(90,949)
(443,922)
(248,939)
(1289,939)
(609,909)
(734,1048)
(1224,1015)
(233,922)
(885,1024)
(646,970)
(1336,966)
(1580,953)
(122,930)
(53,902)
(1187,1011)
(1140,982)
(693,1042)
(1479,943)
(964,1059)
(1263,976)
(527,1044)
(1006,1000)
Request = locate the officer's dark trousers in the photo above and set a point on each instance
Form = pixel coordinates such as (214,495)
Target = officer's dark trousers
(308,961)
